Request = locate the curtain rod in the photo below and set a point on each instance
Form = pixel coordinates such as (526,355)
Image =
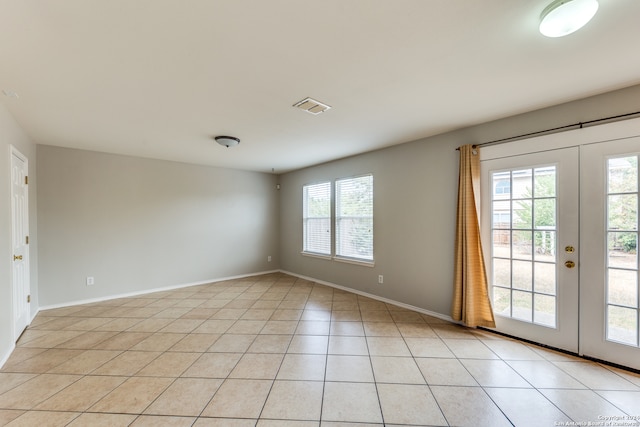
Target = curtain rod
(578,125)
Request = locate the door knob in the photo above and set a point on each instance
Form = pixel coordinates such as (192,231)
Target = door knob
(569,264)
(17,257)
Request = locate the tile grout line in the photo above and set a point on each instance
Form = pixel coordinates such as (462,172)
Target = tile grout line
(84,315)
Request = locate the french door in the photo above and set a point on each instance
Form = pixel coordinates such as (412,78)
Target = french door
(531,230)
(609,220)
(560,234)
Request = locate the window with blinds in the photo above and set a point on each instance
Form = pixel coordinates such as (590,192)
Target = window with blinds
(354,218)
(316,218)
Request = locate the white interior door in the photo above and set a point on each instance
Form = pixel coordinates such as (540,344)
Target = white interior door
(530,236)
(20,241)
(609,301)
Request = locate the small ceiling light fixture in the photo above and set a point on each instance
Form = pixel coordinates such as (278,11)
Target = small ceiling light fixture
(227,141)
(563,17)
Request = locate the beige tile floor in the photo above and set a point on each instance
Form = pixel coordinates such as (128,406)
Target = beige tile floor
(273,350)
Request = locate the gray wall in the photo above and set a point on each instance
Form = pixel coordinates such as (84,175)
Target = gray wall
(12,134)
(415,187)
(137,224)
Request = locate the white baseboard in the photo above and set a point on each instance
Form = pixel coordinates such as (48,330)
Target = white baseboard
(6,356)
(375,297)
(221,279)
(150,291)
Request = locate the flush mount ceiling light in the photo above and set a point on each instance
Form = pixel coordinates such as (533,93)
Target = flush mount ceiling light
(227,141)
(563,17)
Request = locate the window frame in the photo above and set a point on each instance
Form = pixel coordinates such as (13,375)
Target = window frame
(305,219)
(338,219)
(333,223)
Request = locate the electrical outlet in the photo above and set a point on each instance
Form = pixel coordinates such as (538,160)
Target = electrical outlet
(269,258)
(380,279)
(90,281)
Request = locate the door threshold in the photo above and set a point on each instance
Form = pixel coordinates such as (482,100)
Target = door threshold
(570,353)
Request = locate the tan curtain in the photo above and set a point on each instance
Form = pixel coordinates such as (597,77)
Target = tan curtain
(471,303)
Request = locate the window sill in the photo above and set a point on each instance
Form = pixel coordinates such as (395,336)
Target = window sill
(346,260)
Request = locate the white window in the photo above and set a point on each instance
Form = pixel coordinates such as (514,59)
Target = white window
(354,218)
(316,218)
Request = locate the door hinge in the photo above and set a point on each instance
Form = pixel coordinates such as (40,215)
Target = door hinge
(26,180)
(26,240)
(28,298)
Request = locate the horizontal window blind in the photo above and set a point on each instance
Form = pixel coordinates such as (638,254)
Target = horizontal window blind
(354,217)
(316,218)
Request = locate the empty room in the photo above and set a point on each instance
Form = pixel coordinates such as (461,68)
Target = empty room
(339,213)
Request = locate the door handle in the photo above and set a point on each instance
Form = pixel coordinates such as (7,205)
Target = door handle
(569,264)
(17,257)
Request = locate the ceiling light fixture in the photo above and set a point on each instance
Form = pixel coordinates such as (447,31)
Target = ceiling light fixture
(563,17)
(227,141)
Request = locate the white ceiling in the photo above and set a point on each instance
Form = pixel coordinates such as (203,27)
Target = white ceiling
(160,78)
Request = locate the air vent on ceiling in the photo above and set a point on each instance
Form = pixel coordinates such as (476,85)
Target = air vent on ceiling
(312,106)
(10,94)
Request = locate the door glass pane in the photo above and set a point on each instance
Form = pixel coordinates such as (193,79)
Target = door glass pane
(622,325)
(545,278)
(522,276)
(623,287)
(623,212)
(522,305)
(622,247)
(522,247)
(623,175)
(501,243)
(501,301)
(545,182)
(524,228)
(545,245)
(502,272)
(623,251)
(544,214)
(521,184)
(501,183)
(545,310)
(522,215)
(501,214)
